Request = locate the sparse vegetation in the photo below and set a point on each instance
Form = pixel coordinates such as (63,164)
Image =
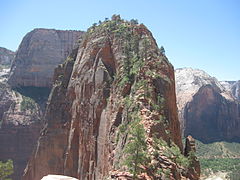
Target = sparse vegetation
(219,156)
(220,164)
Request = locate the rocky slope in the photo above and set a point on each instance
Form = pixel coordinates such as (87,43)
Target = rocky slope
(207,109)
(40,51)
(117,80)
(6,56)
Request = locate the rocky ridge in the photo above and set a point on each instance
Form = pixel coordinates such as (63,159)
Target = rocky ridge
(116,79)
(208,110)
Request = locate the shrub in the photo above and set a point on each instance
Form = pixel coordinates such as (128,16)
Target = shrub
(27,104)
(6,169)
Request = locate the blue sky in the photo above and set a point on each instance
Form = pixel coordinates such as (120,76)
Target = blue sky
(202,34)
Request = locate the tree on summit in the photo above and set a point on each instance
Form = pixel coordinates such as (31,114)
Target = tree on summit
(162,50)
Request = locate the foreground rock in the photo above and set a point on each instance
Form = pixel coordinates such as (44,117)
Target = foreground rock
(115,79)
(40,51)
(207,109)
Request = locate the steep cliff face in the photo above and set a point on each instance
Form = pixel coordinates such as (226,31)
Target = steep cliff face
(6,56)
(40,51)
(22,109)
(20,124)
(115,79)
(207,110)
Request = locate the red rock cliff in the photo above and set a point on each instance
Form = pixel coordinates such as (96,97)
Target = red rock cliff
(116,76)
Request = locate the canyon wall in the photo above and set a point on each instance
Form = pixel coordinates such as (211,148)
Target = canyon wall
(23,100)
(40,51)
(208,109)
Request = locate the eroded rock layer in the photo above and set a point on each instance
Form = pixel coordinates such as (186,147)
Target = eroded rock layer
(115,79)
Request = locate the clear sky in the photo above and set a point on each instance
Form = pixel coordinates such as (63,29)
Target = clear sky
(203,34)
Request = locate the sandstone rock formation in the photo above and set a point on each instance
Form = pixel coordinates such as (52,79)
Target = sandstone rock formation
(207,110)
(117,77)
(22,109)
(20,124)
(6,56)
(40,51)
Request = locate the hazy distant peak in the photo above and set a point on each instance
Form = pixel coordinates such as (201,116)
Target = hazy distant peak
(189,78)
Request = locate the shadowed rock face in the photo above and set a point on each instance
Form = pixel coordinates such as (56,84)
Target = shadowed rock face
(40,51)
(19,128)
(96,91)
(207,109)
(6,56)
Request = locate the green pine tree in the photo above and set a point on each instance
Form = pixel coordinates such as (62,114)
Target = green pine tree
(135,150)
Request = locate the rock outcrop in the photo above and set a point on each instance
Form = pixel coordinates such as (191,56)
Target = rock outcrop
(116,79)
(207,109)
(190,149)
(40,51)
(6,56)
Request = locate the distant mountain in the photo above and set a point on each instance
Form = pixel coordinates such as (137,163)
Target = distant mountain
(39,53)
(233,87)
(6,56)
(208,109)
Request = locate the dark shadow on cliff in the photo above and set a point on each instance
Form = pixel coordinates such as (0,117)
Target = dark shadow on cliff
(38,94)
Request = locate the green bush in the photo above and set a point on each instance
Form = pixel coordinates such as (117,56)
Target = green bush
(6,169)
(27,104)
